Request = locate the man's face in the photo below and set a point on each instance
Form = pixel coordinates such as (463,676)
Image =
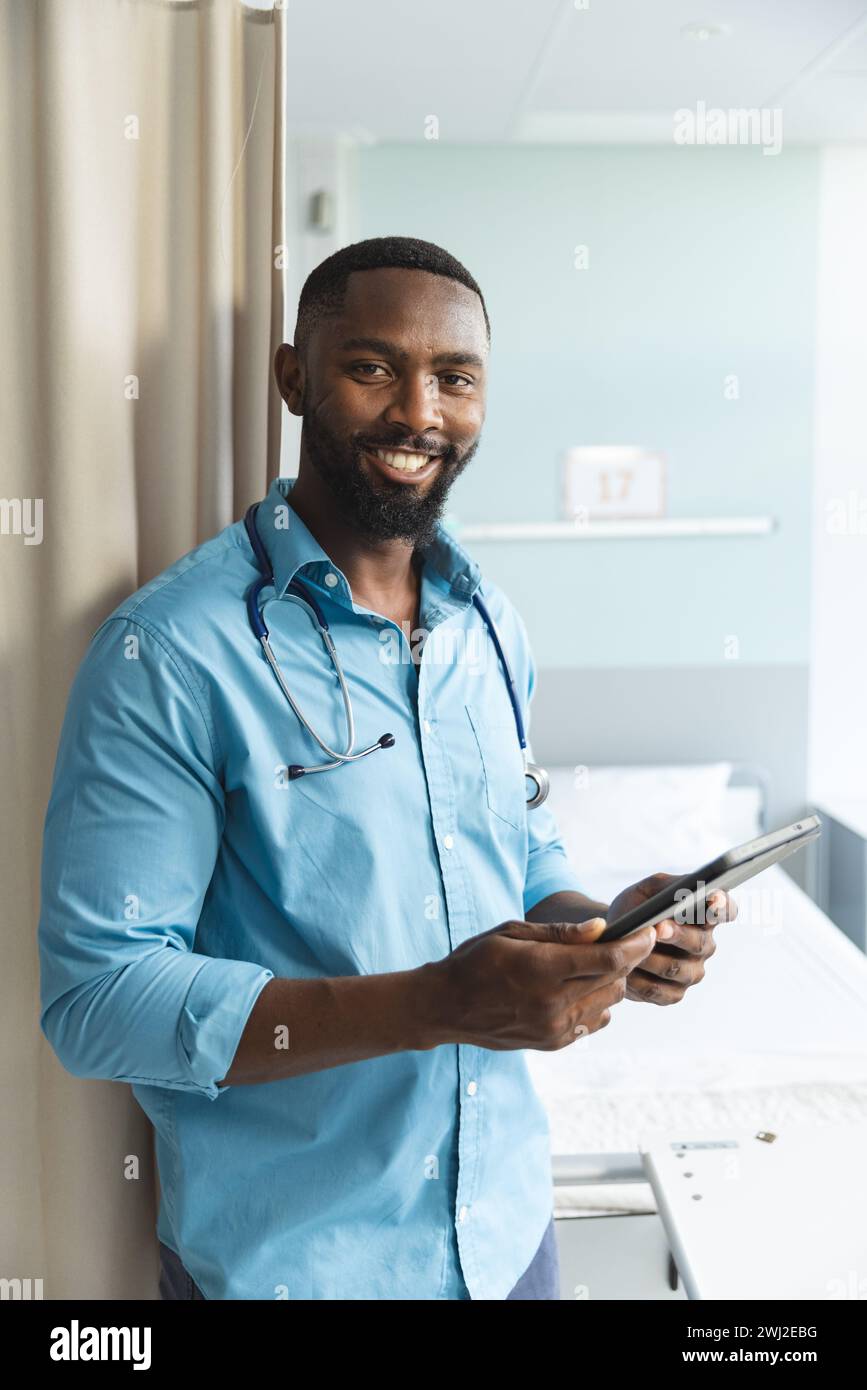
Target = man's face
(398,379)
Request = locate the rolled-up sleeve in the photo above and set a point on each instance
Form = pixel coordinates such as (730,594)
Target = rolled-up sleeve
(549,869)
(132,833)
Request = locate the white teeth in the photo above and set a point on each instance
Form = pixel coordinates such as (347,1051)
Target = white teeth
(402,461)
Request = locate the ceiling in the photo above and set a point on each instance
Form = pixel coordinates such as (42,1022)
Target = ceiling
(551,71)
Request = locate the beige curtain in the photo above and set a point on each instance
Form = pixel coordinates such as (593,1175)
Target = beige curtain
(141,161)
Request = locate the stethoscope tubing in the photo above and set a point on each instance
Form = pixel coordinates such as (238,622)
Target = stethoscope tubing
(299,591)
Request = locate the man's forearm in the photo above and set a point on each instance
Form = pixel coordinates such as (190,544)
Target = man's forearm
(301,1026)
(566,907)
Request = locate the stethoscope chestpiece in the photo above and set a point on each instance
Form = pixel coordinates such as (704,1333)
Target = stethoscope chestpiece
(543,784)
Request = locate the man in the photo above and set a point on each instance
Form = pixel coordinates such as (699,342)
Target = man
(349,962)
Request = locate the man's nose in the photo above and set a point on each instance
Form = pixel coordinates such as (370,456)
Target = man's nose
(416,403)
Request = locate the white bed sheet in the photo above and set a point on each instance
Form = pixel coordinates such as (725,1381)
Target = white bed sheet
(775,1034)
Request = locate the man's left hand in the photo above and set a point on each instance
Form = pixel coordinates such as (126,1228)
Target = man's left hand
(676,963)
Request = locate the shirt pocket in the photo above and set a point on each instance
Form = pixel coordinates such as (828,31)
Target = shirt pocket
(502,764)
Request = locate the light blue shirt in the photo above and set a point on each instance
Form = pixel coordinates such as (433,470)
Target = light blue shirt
(182,870)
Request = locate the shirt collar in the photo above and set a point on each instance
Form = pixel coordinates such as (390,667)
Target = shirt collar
(291,547)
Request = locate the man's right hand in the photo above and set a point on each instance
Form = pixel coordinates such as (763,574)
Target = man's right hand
(537,985)
(522,984)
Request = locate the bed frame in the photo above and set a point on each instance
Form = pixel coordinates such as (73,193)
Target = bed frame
(640,1245)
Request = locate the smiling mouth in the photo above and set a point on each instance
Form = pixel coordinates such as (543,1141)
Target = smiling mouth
(404,463)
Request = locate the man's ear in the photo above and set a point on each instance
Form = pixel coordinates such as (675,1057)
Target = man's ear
(289,374)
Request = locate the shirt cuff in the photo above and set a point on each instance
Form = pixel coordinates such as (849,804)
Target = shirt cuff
(215,1013)
(549,873)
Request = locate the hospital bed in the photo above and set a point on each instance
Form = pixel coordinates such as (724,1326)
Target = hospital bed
(775,1035)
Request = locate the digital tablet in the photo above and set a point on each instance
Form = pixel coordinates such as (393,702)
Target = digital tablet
(682,900)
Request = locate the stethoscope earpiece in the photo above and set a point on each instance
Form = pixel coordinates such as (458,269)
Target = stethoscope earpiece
(260,630)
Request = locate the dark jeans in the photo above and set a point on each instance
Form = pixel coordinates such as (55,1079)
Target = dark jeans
(541,1278)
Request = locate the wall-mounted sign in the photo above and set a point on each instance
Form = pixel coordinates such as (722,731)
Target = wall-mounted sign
(612,481)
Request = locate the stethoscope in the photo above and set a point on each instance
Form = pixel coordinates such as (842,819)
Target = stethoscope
(298,590)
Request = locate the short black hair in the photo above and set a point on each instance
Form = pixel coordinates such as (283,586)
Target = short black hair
(324,290)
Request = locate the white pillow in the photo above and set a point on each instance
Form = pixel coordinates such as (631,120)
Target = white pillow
(743,814)
(640,820)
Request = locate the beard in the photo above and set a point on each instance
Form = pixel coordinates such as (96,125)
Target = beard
(376,508)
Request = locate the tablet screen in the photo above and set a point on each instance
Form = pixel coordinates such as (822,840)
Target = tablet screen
(683,897)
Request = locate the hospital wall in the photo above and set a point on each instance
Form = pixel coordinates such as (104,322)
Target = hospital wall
(701,267)
(838,664)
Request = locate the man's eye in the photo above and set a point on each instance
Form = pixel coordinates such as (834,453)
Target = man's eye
(370,369)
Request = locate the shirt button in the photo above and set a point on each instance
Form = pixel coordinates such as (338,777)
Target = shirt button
(472,1087)
(331,579)
(426,726)
(449,841)
(462,1214)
